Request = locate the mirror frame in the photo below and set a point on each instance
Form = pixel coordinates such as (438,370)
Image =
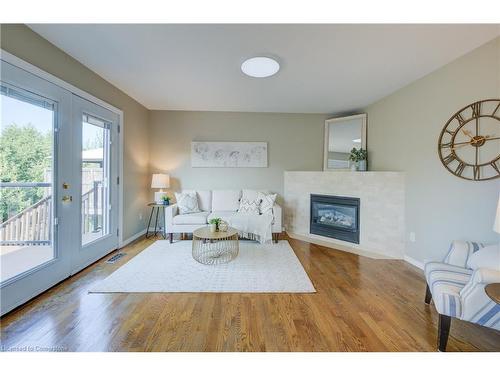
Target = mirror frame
(330,121)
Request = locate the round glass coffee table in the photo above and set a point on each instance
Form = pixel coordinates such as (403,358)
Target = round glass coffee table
(215,247)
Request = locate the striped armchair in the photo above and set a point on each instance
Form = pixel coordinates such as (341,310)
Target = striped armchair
(458,292)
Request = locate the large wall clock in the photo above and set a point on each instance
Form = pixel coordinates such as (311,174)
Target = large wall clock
(469,144)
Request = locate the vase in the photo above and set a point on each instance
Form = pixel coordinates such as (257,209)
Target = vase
(362,165)
(223,225)
(354,167)
(213,228)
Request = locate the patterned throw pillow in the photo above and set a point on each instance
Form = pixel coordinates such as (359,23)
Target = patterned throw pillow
(249,206)
(187,203)
(267,203)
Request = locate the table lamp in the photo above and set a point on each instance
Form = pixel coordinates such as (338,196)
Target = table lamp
(160,181)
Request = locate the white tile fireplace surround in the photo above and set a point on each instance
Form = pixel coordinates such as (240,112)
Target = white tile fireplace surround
(381,214)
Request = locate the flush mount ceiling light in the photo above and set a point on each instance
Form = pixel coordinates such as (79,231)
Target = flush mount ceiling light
(260,67)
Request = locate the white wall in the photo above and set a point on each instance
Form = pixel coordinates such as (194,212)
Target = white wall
(295,142)
(403,131)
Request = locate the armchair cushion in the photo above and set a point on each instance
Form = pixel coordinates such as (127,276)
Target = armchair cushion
(460,251)
(445,282)
(487,257)
(477,306)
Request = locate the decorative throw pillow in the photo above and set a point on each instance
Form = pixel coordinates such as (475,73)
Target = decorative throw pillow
(267,203)
(187,202)
(250,202)
(249,207)
(487,257)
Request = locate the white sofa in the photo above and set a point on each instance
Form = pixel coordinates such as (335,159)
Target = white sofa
(213,204)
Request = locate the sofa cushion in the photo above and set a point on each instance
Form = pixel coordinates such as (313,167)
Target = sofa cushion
(250,202)
(187,202)
(224,215)
(226,200)
(194,218)
(486,257)
(267,203)
(249,207)
(204,198)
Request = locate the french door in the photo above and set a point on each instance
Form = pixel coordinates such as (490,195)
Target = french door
(95,163)
(58,187)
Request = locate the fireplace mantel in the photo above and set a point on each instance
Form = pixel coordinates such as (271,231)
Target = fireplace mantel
(382,202)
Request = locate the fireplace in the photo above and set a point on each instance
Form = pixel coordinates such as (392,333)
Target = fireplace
(335,217)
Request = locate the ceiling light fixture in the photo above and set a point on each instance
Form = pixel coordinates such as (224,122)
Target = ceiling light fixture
(357,140)
(260,67)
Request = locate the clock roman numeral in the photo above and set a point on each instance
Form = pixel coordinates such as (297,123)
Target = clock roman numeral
(460,119)
(496,109)
(450,132)
(447,160)
(446,145)
(476,109)
(495,167)
(477,172)
(459,170)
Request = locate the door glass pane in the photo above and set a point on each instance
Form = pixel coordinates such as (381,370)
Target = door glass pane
(95,176)
(26,165)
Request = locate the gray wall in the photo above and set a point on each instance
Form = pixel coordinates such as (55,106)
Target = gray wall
(29,46)
(403,131)
(295,143)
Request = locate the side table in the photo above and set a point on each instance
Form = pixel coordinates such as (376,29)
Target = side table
(493,291)
(157,207)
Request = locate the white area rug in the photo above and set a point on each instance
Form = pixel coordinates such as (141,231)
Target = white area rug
(165,267)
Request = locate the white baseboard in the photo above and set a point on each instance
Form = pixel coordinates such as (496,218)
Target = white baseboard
(132,238)
(414,262)
(337,246)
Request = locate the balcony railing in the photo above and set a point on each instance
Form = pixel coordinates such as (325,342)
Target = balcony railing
(32,226)
(92,203)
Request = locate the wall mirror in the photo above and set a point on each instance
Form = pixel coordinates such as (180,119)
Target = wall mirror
(342,134)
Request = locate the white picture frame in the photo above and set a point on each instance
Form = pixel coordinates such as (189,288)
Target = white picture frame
(228,154)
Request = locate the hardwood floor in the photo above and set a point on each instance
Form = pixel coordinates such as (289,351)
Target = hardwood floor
(361,304)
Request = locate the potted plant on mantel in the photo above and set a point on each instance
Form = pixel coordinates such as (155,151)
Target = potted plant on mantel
(358,157)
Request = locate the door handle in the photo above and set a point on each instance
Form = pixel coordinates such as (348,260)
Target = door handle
(67,198)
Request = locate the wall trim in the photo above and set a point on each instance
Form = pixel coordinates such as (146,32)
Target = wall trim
(131,239)
(336,246)
(414,262)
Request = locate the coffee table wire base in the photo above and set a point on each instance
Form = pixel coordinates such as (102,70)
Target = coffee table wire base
(215,251)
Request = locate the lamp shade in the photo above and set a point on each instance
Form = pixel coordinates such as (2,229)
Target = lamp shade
(160,181)
(496,226)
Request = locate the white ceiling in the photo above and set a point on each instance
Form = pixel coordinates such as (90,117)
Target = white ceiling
(324,68)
